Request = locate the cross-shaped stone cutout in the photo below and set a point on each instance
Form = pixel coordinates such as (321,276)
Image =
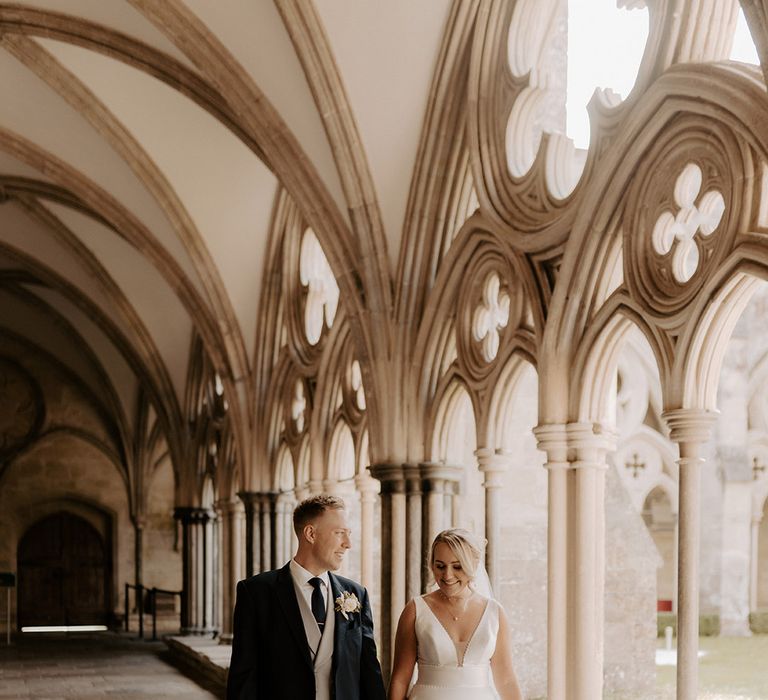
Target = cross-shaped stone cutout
(679,230)
(490,316)
(757,468)
(635,465)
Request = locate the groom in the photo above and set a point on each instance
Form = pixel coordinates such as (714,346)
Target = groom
(302,632)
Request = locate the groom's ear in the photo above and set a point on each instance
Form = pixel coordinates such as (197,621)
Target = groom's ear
(309,533)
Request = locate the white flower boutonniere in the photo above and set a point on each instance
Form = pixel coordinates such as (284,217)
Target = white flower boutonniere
(347,603)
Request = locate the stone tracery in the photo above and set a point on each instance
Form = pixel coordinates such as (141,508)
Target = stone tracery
(697,213)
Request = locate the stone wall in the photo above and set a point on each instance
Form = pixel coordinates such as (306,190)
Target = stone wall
(162,545)
(710,567)
(523,555)
(69,464)
(631,561)
(762,579)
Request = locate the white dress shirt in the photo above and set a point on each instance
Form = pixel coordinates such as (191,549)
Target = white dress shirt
(304,588)
(320,644)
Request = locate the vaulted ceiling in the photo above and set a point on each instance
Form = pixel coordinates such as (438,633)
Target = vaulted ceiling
(142,146)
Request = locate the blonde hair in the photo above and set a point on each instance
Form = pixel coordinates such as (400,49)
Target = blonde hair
(465,547)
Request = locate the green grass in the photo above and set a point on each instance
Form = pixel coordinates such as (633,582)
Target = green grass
(733,668)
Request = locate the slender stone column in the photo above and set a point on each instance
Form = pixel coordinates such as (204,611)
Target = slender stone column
(138,550)
(453,504)
(552,439)
(754,560)
(493,464)
(675,567)
(252,504)
(231,519)
(588,443)
(289,538)
(690,429)
(413,556)
(197,570)
(393,555)
(284,504)
(368,489)
(267,544)
(439,482)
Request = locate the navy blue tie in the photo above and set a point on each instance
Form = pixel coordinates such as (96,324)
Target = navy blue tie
(318,602)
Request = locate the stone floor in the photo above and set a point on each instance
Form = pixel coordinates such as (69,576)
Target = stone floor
(106,665)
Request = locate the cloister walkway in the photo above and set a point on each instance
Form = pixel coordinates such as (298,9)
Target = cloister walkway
(96,666)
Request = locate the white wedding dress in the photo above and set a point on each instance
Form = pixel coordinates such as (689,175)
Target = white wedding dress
(446,671)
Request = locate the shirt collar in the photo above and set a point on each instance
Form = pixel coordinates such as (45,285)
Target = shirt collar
(301,576)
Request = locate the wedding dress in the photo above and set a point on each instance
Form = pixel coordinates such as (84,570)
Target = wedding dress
(451,671)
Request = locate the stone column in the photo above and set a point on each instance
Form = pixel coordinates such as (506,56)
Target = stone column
(231,569)
(588,443)
(552,439)
(439,482)
(284,504)
(393,555)
(413,560)
(289,538)
(493,464)
(138,550)
(754,561)
(252,505)
(368,489)
(267,531)
(675,567)
(197,570)
(690,429)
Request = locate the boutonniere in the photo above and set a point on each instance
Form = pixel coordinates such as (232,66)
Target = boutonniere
(347,603)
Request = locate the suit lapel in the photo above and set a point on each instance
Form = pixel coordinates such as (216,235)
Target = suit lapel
(340,628)
(286,595)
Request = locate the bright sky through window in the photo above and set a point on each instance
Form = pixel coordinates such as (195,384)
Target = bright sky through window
(743,47)
(605,46)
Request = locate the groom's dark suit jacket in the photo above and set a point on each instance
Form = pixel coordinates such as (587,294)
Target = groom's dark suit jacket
(270,655)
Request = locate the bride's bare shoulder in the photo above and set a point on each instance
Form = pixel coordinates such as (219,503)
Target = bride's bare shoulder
(408,615)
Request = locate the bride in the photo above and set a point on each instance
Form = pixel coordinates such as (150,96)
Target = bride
(458,637)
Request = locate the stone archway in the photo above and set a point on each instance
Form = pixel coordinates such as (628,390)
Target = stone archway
(64,573)
(662,523)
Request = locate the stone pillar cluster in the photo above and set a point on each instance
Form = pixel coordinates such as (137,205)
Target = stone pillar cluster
(493,464)
(231,520)
(199,570)
(268,527)
(416,503)
(368,489)
(576,462)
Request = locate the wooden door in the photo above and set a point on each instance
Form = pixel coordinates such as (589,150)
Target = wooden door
(63,573)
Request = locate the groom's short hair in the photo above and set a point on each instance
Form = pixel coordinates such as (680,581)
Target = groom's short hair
(313,507)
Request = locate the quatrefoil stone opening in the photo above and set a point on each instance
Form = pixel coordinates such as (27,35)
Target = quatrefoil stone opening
(490,317)
(695,216)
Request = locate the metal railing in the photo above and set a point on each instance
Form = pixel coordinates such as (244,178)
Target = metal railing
(151,606)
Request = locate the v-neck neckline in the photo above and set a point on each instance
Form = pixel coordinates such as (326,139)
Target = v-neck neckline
(455,644)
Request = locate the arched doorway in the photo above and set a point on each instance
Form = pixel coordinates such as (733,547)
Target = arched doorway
(662,523)
(63,568)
